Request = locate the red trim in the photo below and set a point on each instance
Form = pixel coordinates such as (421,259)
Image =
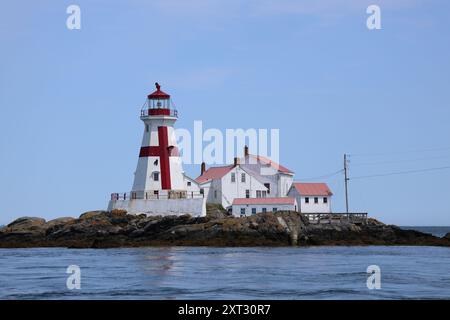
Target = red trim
(154,152)
(164,152)
(159,112)
(149,152)
(163,138)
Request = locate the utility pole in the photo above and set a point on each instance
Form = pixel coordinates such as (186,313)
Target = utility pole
(346,182)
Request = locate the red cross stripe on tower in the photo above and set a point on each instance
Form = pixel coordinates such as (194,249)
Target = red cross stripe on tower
(163,151)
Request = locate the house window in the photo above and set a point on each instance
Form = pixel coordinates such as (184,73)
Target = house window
(274,209)
(215,194)
(325,200)
(243,177)
(247,193)
(233,177)
(253,210)
(267,185)
(202,191)
(242,212)
(264,193)
(306,199)
(189,183)
(156,176)
(258,193)
(264,210)
(316,200)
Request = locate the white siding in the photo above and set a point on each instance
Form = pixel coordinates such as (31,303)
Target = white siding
(259,208)
(231,190)
(311,207)
(193,187)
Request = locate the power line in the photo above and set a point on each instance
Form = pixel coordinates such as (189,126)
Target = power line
(324,176)
(400,172)
(399,161)
(397,152)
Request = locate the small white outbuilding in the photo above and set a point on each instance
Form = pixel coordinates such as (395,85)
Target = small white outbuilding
(311,197)
(243,207)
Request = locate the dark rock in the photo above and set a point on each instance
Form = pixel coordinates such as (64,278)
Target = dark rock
(26,225)
(101,229)
(216,211)
(447,236)
(92,214)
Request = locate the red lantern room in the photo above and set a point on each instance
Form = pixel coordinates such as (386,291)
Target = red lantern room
(158,104)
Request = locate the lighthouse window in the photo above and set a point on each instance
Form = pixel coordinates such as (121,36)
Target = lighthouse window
(215,194)
(267,185)
(189,183)
(233,177)
(243,177)
(156,176)
(258,193)
(247,193)
(146,127)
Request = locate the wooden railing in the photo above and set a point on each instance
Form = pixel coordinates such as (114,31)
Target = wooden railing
(151,195)
(354,217)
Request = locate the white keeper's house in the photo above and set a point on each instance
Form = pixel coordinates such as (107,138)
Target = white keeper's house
(255,184)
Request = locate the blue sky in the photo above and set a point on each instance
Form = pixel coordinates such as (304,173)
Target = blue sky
(70,99)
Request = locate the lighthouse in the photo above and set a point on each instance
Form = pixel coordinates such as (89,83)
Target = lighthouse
(160,186)
(159,166)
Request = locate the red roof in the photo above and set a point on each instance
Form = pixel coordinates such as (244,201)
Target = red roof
(273,164)
(213,173)
(284,200)
(312,189)
(158,94)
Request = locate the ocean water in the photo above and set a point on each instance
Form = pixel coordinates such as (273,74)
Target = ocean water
(435,231)
(226,273)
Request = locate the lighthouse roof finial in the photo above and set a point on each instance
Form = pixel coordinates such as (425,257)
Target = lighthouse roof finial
(158,94)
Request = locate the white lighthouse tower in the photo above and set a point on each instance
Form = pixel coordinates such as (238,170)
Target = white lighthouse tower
(159,166)
(160,186)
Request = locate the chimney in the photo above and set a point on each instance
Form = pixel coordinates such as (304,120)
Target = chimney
(236,161)
(203,169)
(245,151)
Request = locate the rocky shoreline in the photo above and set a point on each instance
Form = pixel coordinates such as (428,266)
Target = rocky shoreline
(102,229)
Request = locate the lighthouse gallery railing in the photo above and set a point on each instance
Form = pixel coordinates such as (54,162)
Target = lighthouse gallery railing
(152,195)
